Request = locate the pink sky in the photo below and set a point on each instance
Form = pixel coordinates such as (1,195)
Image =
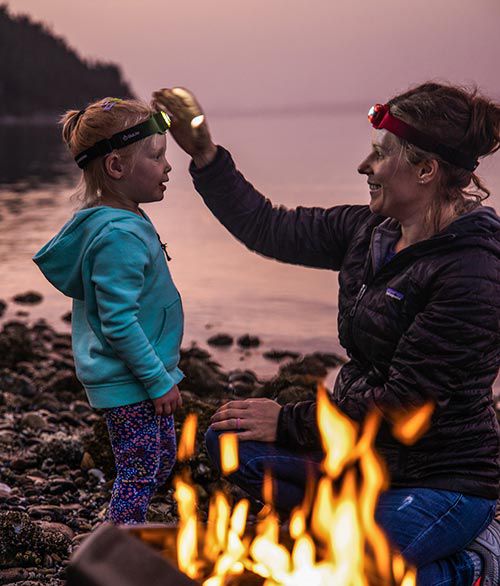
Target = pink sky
(252,54)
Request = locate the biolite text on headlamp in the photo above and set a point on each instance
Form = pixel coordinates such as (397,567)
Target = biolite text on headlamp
(380,117)
(158,123)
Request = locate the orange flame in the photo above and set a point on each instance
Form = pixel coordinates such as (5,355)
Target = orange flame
(336,538)
(338,434)
(411,427)
(228,444)
(188,437)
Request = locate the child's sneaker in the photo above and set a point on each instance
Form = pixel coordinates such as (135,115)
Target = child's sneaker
(487,545)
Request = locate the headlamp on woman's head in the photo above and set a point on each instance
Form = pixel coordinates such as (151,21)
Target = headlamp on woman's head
(159,123)
(380,117)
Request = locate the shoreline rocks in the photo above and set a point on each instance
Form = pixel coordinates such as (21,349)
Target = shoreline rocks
(56,463)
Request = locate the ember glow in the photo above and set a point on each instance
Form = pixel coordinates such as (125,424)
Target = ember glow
(335,537)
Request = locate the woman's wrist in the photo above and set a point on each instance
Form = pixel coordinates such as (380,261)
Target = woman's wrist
(206,157)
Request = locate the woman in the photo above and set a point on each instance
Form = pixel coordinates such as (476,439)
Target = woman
(419,310)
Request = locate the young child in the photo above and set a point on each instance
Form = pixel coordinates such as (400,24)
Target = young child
(127,319)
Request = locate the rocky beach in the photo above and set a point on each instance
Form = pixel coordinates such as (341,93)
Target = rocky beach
(56,465)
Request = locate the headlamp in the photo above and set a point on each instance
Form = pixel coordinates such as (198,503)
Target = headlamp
(159,123)
(380,117)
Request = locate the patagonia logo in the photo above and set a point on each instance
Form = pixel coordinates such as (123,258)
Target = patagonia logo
(394,294)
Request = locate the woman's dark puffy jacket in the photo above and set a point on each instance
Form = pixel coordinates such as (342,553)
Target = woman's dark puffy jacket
(424,326)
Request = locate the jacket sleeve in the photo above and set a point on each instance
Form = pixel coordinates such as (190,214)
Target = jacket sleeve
(454,342)
(297,426)
(119,262)
(313,237)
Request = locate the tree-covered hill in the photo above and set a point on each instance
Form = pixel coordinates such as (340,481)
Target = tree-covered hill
(41,75)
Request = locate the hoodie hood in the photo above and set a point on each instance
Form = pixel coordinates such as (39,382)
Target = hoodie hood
(60,260)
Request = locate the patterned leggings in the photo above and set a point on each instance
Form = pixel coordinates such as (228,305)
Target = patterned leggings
(144,447)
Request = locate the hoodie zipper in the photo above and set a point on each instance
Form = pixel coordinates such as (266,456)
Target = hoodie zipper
(163,247)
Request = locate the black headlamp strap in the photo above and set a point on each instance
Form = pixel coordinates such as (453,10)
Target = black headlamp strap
(158,123)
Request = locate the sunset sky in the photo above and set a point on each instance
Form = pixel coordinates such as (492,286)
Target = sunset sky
(242,55)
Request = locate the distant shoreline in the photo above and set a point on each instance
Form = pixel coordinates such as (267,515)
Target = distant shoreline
(38,119)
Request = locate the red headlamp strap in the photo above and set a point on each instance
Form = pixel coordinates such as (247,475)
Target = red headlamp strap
(380,117)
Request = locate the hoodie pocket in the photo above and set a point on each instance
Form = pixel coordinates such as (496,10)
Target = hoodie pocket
(168,342)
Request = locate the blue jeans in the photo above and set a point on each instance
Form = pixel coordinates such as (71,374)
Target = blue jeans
(430,527)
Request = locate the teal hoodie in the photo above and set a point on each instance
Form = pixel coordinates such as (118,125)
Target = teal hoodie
(127,319)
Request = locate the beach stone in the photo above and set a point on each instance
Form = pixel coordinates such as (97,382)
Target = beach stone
(195,351)
(64,381)
(220,340)
(24,543)
(8,438)
(16,383)
(63,450)
(309,367)
(329,360)
(66,317)
(248,341)
(96,443)
(12,575)
(97,474)
(60,486)
(15,344)
(80,407)
(33,421)
(28,298)
(279,355)
(87,462)
(23,463)
(203,376)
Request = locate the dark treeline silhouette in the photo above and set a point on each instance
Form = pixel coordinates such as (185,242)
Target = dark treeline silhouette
(41,74)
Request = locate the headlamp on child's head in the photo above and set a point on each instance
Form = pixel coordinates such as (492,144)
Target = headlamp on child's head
(159,123)
(380,117)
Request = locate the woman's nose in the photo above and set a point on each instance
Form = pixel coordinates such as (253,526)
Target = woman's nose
(364,167)
(168,167)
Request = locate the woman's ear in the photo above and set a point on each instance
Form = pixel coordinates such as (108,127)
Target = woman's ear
(113,165)
(428,171)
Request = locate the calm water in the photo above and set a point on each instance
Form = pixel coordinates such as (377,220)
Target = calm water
(308,160)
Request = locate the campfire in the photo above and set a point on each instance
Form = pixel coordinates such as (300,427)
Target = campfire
(333,538)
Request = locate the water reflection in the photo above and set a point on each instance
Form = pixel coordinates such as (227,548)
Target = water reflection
(31,156)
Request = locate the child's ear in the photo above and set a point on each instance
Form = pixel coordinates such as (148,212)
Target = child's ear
(113,165)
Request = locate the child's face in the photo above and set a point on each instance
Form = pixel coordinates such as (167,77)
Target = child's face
(144,181)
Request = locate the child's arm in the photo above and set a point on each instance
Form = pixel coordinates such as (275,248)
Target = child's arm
(119,262)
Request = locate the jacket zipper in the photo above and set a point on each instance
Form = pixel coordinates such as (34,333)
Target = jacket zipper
(359,296)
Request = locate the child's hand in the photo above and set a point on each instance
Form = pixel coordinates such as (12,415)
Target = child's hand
(192,137)
(168,403)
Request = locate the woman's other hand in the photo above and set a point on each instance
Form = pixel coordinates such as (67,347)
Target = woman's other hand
(189,126)
(168,403)
(252,419)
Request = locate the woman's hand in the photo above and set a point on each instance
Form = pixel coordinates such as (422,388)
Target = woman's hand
(189,126)
(168,403)
(252,419)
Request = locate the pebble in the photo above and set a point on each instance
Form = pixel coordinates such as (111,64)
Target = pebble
(28,298)
(248,341)
(34,421)
(220,340)
(97,474)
